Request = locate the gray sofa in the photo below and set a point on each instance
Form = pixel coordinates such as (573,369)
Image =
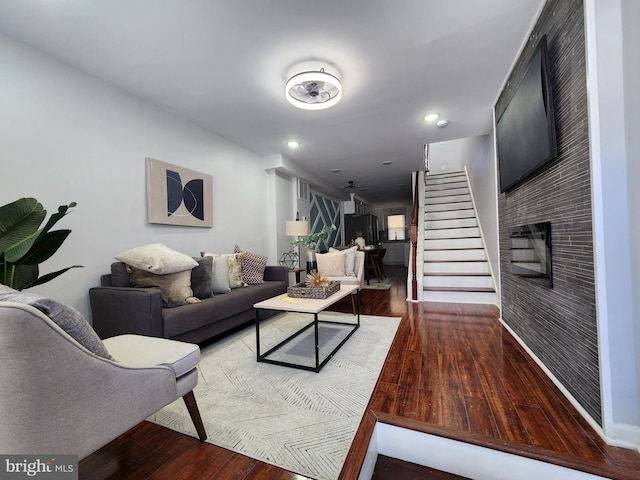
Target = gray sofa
(117,308)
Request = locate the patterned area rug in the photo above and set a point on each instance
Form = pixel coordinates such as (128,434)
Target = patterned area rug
(385,284)
(298,420)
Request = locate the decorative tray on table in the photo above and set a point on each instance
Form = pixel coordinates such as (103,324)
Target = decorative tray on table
(300,290)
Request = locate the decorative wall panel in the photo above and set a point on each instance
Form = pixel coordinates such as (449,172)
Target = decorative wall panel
(325,212)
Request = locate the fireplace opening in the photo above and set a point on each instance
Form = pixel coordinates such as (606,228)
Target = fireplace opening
(531,252)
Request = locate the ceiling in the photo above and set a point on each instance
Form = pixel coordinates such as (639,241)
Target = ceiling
(223,65)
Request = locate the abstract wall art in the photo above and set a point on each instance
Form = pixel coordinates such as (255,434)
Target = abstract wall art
(178,195)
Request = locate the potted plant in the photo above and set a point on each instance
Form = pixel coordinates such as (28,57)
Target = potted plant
(24,245)
(311,241)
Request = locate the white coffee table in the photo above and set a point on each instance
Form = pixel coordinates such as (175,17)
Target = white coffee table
(312,306)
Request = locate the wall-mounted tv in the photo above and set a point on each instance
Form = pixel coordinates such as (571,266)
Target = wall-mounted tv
(526,135)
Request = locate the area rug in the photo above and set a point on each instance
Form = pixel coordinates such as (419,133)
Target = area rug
(298,420)
(385,284)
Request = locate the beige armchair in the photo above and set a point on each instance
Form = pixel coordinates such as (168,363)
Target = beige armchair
(58,397)
(357,279)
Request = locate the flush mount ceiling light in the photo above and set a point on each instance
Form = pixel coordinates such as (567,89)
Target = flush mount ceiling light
(442,123)
(313,90)
(431,117)
(293,144)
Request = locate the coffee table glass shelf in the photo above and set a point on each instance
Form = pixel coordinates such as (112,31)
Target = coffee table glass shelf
(311,344)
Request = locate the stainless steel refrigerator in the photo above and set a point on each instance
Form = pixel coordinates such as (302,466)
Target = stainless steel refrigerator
(367,224)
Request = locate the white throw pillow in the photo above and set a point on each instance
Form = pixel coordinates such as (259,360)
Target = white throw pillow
(331,264)
(349,260)
(157,258)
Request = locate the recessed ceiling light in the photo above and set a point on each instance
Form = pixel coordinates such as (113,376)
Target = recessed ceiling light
(442,123)
(335,170)
(293,144)
(387,162)
(431,117)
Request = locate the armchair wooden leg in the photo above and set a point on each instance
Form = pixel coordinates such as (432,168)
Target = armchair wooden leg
(194,413)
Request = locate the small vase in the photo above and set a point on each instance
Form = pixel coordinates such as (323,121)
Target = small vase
(312,265)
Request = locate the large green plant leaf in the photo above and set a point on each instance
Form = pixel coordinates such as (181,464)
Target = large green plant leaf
(45,246)
(62,211)
(50,276)
(18,276)
(19,223)
(23,245)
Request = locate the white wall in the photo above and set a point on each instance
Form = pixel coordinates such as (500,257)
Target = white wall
(482,169)
(610,94)
(68,137)
(631,73)
(447,156)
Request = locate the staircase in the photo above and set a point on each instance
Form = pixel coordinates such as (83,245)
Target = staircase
(455,262)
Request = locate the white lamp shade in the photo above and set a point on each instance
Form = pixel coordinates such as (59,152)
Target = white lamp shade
(297,228)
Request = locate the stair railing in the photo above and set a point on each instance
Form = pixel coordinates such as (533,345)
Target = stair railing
(426,156)
(414,240)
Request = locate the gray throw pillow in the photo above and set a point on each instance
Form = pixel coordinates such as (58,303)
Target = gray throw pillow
(120,275)
(67,318)
(201,278)
(219,272)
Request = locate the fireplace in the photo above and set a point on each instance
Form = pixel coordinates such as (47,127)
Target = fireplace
(531,253)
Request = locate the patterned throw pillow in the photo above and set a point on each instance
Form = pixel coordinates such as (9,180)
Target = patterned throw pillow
(235,270)
(253,265)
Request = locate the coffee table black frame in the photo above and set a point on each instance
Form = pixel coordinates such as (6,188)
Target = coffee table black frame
(314,307)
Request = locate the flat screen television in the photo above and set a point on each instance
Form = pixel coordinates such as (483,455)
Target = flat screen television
(526,135)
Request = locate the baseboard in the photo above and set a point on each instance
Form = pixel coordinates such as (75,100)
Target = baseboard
(627,436)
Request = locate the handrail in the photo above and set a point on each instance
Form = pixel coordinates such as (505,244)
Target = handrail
(426,160)
(414,241)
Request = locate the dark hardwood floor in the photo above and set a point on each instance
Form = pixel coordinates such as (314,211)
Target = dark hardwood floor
(452,371)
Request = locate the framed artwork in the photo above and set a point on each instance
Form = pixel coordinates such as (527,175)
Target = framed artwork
(178,195)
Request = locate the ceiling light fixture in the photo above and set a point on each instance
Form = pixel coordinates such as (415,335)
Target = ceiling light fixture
(313,90)
(293,144)
(442,123)
(431,117)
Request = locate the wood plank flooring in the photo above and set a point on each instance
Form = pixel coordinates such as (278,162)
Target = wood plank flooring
(452,370)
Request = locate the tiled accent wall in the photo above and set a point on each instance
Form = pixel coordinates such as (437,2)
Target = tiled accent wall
(559,324)
(325,212)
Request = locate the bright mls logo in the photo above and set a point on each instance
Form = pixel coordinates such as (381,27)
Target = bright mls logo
(54,467)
